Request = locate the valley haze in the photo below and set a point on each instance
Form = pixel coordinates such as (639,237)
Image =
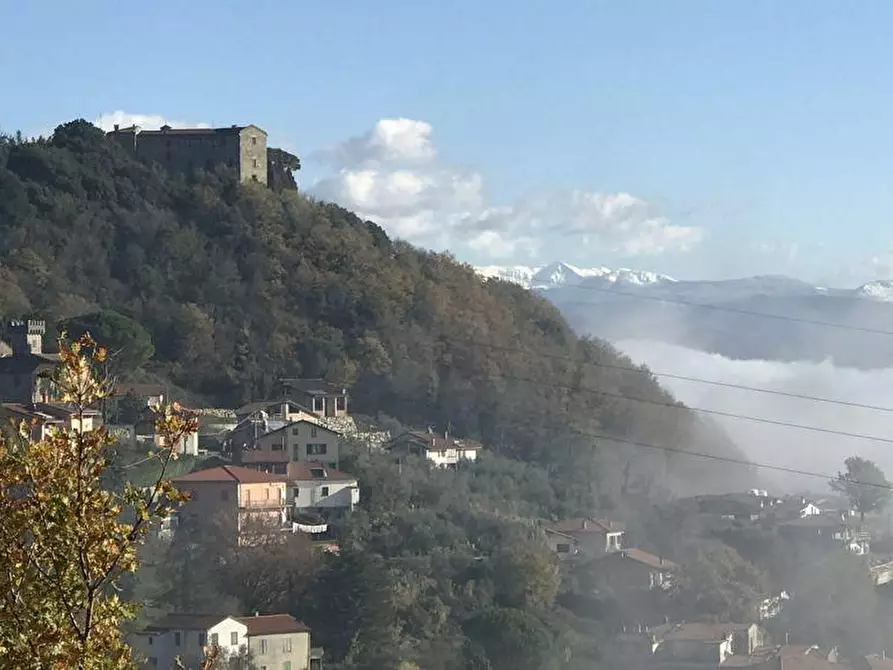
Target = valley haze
(819,341)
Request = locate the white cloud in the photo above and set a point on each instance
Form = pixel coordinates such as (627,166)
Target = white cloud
(149,121)
(393,175)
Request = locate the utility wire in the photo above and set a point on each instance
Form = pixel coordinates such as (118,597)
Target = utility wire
(666,375)
(680,406)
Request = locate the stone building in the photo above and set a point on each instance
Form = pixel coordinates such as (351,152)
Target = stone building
(183,149)
(22,377)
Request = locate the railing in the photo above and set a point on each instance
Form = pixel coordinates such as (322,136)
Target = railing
(273,503)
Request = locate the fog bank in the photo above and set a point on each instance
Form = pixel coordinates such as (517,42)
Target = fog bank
(778,445)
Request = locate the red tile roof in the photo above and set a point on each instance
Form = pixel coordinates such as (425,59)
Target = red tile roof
(601,526)
(229,473)
(272,624)
(645,558)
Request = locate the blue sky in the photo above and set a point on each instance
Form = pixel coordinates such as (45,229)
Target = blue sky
(691,137)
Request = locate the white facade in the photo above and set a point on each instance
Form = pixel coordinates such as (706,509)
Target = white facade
(158,649)
(809,509)
(303,494)
(448,457)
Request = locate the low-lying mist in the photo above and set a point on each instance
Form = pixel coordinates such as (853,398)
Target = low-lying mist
(778,445)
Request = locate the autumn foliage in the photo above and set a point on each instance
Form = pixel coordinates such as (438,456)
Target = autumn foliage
(64,540)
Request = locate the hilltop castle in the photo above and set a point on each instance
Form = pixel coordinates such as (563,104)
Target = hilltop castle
(184,149)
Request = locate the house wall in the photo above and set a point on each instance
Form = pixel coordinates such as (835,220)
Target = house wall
(210,500)
(324,405)
(627,573)
(295,441)
(447,457)
(564,547)
(305,494)
(262,502)
(224,632)
(273,651)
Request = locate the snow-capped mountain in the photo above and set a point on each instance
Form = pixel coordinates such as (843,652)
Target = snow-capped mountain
(802,322)
(559,274)
(877,290)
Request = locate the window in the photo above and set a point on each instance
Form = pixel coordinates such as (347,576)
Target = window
(325,491)
(263,647)
(177,639)
(234,638)
(296,452)
(287,664)
(316,449)
(254,143)
(296,492)
(266,494)
(202,639)
(151,640)
(312,431)
(253,162)
(340,403)
(286,647)
(214,639)
(563,548)
(295,431)
(277,446)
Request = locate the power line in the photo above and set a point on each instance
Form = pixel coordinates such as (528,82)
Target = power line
(666,375)
(723,308)
(725,459)
(680,406)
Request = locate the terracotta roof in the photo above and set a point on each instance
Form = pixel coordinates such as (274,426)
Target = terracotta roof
(228,473)
(435,442)
(185,621)
(698,632)
(315,471)
(272,624)
(815,521)
(645,558)
(601,526)
(62,410)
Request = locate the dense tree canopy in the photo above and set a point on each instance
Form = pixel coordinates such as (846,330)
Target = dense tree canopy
(238,285)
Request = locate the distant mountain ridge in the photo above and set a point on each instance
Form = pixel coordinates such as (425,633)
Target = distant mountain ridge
(770,317)
(560,274)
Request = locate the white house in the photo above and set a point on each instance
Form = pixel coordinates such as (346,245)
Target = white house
(445,451)
(272,640)
(186,636)
(317,486)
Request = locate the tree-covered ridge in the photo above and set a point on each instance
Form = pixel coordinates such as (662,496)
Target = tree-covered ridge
(238,285)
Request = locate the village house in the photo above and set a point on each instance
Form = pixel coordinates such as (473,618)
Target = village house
(240,497)
(316,487)
(707,645)
(269,641)
(46,416)
(584,537)
(632,570)
(827,529)
(285,410)
(271,447)
(321,397)
(445,451)
(144,431)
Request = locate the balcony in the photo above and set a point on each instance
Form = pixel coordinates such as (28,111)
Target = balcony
(272,503)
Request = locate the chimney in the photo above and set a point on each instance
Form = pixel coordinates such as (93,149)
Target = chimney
(585,524)
(165,128)
(787,638)
(27,337)
(117,126)
(257,614)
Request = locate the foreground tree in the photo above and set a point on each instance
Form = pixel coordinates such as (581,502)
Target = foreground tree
(65,541)
(864,484)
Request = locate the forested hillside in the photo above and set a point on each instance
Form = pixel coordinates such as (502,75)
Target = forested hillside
(236,285)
